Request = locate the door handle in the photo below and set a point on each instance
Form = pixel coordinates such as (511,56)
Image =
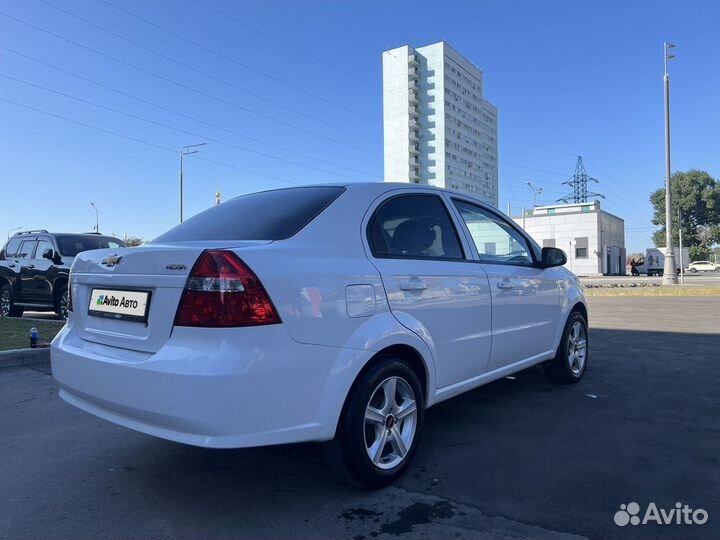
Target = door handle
(505,285)
(413,284)
(30,266)
(11,266)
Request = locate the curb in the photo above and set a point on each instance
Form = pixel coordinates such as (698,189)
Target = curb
(24,357)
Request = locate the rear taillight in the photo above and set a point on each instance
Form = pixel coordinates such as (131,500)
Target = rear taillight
(223,292)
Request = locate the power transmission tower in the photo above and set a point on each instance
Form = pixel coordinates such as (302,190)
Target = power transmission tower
(579,184)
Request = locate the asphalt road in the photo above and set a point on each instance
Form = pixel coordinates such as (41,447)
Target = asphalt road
(519,458)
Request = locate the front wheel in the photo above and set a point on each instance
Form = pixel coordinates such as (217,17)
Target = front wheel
(693,270)
(380,429)
(571,360)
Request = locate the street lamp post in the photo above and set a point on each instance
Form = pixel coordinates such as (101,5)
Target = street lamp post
(97,218)
(536,192)
(669,276)
(185,151)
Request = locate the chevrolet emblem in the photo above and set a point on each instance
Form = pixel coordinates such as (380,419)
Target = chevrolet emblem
(112,260)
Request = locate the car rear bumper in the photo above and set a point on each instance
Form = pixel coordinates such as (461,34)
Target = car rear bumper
(224,388)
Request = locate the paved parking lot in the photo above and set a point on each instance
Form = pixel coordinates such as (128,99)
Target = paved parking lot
(519,458)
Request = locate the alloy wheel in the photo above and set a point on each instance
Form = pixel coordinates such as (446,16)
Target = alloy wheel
(390,422)
(64,305)
(577,347)
(5,303)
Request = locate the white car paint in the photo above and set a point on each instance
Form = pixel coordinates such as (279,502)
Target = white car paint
(339,306)
(703,266)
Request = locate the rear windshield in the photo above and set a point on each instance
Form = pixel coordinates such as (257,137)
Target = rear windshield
(268,215)
(71,244)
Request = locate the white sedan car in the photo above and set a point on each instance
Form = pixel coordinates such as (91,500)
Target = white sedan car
(703,266)
(316,313)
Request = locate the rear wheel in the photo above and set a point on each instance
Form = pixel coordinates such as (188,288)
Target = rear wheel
(571,360)
(381,425)
(61,303)
(7,303)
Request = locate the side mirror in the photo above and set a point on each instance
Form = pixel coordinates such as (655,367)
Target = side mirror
(48,254)
(552,257)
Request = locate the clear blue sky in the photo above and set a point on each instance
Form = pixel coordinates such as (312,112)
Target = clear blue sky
(571,77)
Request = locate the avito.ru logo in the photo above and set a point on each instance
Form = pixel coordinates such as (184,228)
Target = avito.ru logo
(682,514)
(105,300)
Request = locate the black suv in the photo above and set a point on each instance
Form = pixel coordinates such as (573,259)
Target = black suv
(34,268)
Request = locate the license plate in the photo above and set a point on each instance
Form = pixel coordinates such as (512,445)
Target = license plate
(116,304)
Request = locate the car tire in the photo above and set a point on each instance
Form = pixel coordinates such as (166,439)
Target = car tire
(61,299)
(571,360)
(7,303)
(390,432)
(693,270)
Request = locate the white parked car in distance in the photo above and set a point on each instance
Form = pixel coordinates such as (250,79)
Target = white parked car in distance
(319,313)
(703,266)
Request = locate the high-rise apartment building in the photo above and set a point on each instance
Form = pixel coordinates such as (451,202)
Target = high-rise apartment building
(438,128)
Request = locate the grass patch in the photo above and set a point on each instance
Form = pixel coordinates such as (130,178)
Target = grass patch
(675,290)
(15,333)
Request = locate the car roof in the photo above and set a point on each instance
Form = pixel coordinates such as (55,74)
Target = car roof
(22,234)
(375,189)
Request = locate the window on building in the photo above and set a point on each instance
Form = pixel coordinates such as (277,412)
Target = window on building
(548,242)
(581,247)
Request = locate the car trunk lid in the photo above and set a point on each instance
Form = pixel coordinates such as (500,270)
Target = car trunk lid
(103,281)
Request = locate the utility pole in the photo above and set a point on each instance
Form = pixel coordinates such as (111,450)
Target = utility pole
(97,218)
(536,192)
(669,276)
(185,151)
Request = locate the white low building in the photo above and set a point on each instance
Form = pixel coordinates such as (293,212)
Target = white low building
(593,239)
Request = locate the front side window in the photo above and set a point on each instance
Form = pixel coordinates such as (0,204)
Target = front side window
(414,227)
(11,248)
(497,242)
(27,248)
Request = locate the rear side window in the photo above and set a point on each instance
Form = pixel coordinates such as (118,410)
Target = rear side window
(70,245)
(414,227)
(11,248)
(268,215)
(42,247)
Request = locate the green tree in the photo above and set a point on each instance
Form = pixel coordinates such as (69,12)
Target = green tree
(697,195)
(134,241)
